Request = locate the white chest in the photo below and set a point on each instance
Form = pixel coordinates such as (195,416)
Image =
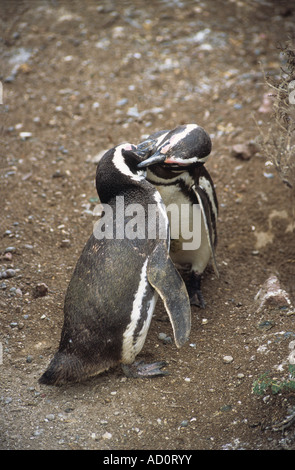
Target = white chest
(189,242)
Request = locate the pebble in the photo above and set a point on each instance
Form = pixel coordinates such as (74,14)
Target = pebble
(228,359)
(226,408)
(133,112)
(122,102)
(107,435)
(184,423)
(271,295)
(7,274)
(40,290)
(244,151)
(7,233)
(25,135)
(268,175)
(50,417)
(166,339)
(10,249)
(38,432)
(65,243)
(265,325)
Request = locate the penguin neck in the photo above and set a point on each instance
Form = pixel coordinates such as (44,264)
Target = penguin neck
(128,189)
(159,175)
(114,177)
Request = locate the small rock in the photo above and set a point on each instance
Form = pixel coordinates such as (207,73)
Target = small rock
(184,423)
(69,409)
(226,408)
(38,432)
(40,290)
(133,112)
(107,435)
(7,274)
(50,417)
(122,102)
(244,151)
(268,175)
(59,174)
(265,325)
(163,337)
(10,249)
(25,135)
(228,359)
(271,295)
(10,272)
(29,359)
(8,233)
(65,243)
(7,257)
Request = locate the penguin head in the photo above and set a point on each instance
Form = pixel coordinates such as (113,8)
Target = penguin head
(118,169)
(185,146)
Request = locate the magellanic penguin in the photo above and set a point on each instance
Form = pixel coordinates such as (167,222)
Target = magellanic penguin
(117,280)
(176,168)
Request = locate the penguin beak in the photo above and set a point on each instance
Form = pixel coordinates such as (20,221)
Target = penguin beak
(157,157)
(145,148)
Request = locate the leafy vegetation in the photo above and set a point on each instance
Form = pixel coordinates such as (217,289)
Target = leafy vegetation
(267,384)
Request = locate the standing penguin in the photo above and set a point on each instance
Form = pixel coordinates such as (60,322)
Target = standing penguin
(114,288)
(176,168)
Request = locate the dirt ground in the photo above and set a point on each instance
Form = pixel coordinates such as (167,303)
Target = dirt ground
(78,78)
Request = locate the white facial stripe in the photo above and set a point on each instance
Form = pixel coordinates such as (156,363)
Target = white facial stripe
(161,138)
(179,136)
(120,164)
(187,161)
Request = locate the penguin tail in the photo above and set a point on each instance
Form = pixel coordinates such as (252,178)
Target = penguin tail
(63,368)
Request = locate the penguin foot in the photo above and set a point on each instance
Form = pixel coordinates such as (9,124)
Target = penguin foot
(193,286)
(140,369)
(197,299)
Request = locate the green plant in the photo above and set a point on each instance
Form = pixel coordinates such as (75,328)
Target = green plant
(265,383)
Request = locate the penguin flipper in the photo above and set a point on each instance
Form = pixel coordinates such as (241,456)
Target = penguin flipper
(167,282)
(206,217)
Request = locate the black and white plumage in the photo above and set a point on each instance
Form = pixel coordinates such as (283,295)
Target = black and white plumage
(116,283)
(176,168)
